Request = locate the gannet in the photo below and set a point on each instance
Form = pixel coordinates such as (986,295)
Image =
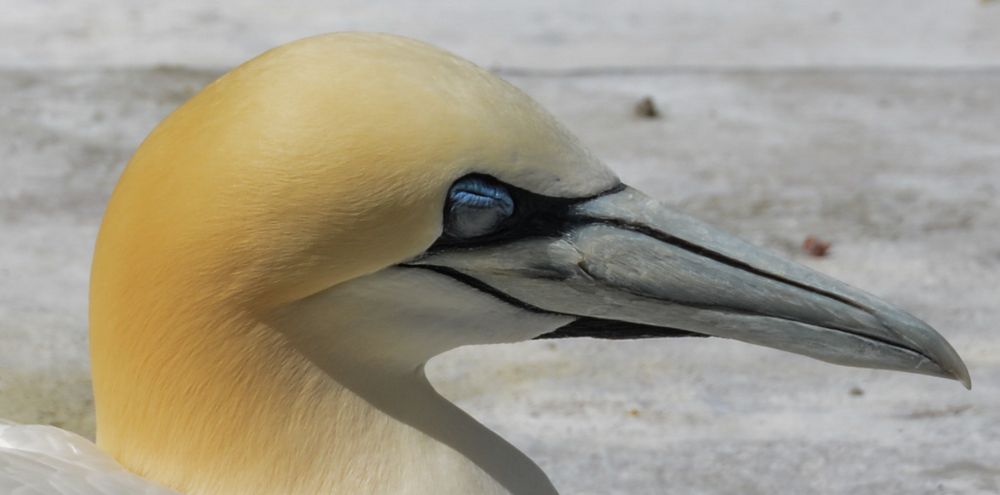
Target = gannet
(286,251)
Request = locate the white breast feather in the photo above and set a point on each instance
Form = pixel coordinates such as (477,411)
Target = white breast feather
(45,460)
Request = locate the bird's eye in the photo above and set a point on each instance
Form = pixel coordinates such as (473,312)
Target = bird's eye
(476,207)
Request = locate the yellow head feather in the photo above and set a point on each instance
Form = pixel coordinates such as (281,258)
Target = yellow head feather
(313,164)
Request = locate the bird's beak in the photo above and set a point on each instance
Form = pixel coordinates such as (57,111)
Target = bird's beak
(627,266)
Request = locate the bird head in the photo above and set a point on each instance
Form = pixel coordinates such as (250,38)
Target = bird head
(377,200)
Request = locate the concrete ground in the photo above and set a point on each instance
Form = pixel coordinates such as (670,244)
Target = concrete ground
(876,127)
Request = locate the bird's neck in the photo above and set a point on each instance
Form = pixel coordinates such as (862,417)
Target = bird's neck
(238,409)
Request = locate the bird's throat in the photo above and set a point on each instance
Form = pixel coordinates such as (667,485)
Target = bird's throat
(240,410)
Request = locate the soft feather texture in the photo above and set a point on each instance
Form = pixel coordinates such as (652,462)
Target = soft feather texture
(315,164)
(44,460)
(233,232)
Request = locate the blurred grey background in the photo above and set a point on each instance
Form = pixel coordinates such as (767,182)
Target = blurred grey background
(873,125)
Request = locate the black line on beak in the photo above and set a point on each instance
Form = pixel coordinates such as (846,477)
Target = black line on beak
(614,330)
(726,260)
(581,326)
(585,326)
(536,215)
(477,284)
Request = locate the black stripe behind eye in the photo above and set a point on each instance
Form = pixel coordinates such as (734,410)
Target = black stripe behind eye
(534,215)
(598,328)
(581,326)
(480,286)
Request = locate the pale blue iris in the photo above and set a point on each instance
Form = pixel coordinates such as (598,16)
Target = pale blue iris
(476,207)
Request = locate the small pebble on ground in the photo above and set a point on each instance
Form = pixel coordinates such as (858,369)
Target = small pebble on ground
(815,246)
(646,108)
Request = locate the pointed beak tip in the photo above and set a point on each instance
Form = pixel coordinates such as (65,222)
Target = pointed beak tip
(961,374)
(952,367)
(950,363)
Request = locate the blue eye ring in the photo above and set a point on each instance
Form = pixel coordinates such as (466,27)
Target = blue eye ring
(476,192)
(477,206)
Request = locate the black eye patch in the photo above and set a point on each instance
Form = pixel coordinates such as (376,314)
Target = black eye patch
(481,210)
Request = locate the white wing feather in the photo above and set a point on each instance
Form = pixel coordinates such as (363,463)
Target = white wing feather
(45,460)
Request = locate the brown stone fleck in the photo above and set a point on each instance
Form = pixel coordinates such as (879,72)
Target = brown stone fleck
(646,108)
(815,246)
